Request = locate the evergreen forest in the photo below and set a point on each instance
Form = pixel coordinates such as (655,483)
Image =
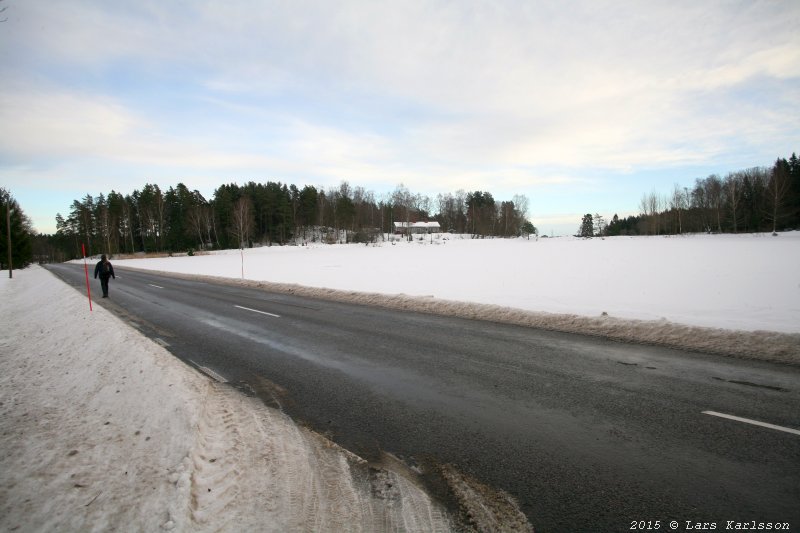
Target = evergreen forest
(152,220)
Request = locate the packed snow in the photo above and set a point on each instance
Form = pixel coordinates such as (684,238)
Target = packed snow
(732,294)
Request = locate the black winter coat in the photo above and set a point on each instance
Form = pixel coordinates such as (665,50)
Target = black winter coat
(104,272)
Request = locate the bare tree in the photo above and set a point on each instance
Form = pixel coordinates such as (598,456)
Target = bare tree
(521,207)
(599,225)
(196,223)
(451,210)
(714,196)
(321,203)
(211,224)
(678,202)
(444,205)
(644,207)
(699,201)
(333,202)
(650,204)
(733,194)
(242,220)
(159,217)
(403,201)
(461,210)
(655,202)
(197,216)
(127,224)
(423,204)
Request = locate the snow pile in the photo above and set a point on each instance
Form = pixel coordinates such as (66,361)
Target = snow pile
(729,294)
(102,429)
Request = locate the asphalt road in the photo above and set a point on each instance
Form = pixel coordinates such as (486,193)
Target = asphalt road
(587,434)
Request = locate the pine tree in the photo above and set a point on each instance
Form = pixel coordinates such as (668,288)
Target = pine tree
(21,233)
(587,226)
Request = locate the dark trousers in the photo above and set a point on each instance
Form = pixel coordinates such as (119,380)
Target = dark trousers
(104,285)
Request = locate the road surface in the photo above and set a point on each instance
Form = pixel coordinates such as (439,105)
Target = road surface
(587,434)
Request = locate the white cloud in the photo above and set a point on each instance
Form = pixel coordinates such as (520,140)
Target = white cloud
(37,124)
(435,94)
(40,123)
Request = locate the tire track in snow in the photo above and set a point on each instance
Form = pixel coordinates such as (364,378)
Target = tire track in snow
(214,479)
(289,478)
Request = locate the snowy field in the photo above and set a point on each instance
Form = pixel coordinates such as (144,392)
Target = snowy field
(704,292)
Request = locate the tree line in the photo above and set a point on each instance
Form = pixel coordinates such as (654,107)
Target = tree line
(179,219)
(758,199)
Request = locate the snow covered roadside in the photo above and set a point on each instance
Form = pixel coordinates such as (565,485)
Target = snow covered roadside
(101,429)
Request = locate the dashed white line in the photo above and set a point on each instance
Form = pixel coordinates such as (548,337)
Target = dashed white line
(257,311)
(753,422)
(156,286)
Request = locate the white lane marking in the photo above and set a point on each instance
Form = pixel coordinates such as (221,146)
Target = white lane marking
(754,422)
(162,342)
(156,286)
(257,311)
(210,373)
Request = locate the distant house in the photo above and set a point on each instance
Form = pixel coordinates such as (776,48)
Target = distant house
(403,228)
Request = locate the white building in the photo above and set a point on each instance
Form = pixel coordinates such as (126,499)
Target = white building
(403,228)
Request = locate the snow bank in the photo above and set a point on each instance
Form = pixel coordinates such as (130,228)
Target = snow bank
(103,429)
(735,295)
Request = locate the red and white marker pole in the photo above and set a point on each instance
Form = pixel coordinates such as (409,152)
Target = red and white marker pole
(86,269)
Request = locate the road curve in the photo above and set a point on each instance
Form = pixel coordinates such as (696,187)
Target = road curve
(587,434)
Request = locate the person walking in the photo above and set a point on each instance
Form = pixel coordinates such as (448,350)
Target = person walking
(105,270)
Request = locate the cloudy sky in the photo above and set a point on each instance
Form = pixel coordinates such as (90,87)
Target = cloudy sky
(583,106)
